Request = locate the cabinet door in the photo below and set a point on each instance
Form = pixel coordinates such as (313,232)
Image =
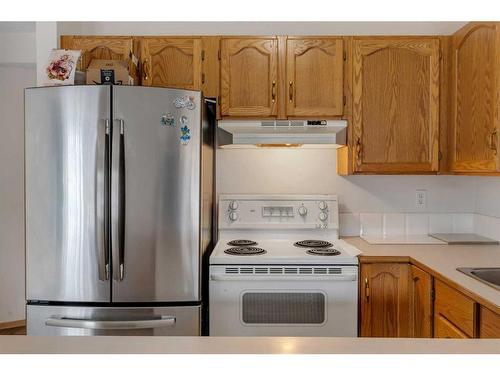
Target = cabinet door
(455,307)
(489,327)
(475,98)
(395,105)
(314,76)
(385,300)
(171,62)
(420,303)
(445,329)
(102,48)
(249,76)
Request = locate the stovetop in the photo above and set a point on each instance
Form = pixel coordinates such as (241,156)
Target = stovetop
(284,251)
(280,229)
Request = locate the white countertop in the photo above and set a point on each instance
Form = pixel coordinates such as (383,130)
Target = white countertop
(443,260)
(239,345)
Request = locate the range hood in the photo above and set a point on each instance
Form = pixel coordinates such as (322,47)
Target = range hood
(281,133)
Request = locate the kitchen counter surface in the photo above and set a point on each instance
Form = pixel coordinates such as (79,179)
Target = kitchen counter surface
(239,345)
(442,261)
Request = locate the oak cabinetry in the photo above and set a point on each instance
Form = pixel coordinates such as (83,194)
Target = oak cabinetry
(420,303)
(444,329)
(171,62)
(314,76)
(454,310)
(249,76)
(103,48)
(395,120)
(384,300)
(489,327)
(475,98)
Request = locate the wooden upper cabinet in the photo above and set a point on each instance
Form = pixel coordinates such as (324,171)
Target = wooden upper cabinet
(102,48)
(395,105)
(314,77)
(475,98)
(384,300)
(99,47)
(171,62)
(249,75)
(420,303)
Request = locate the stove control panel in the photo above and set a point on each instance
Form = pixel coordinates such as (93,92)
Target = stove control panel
(274,211)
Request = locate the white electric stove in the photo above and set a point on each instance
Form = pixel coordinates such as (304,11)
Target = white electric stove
(280,269)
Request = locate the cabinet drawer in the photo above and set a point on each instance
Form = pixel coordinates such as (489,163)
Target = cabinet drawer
(455,307)
(444,329)
(489,324)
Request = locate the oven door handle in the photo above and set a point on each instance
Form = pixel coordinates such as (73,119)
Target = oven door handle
(348,277)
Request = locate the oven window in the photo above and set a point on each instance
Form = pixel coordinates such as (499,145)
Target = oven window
(283,308)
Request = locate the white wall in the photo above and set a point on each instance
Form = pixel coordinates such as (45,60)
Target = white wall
(13,79)
(259,28)
(313,171)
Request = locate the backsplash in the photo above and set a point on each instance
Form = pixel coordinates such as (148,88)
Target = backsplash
(391,224)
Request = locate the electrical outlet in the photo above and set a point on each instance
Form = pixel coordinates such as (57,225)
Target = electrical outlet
(421,199)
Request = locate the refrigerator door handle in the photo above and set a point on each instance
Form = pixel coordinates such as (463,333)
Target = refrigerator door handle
(162,321)
(101,208)
(118,201)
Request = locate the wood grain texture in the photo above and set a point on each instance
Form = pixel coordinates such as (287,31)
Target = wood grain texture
(281,92)
(445,106)
(444,329)
(210,66)
(171,62)
(396,105)
(455,307)
(314,75)
(249,76)
(385,307)
(421,310)
(475,97)
(489,324)
(365,259)
(102,48)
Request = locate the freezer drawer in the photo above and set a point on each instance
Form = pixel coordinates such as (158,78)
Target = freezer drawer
(113,321)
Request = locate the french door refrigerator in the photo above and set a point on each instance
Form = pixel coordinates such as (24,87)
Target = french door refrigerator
(118,201)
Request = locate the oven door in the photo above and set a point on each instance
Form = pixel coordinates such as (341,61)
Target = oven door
(247,301)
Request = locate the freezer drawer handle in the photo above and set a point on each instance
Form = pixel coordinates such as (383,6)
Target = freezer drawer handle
(164,321)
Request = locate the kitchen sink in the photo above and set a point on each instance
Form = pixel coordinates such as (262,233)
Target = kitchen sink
(490,276)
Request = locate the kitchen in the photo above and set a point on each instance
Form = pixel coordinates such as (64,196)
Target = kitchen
(316,193)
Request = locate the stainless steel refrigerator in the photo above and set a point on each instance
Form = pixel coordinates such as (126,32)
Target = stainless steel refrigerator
(118,200)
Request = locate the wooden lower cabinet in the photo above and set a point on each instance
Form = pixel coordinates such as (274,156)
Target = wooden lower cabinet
(420,303)
(489,324)
(444,329)
(384,300)
(452,307)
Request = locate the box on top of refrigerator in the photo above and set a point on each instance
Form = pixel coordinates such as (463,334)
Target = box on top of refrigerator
(108,72)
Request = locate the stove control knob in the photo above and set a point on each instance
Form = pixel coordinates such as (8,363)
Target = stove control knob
(322,205)
(302,211)
(233,216)
(233,205)
(323,216)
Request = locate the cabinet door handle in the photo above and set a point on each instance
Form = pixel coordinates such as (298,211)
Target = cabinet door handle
(145,70)
(492,141)
(290,91)
(273,91)
(367,289)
